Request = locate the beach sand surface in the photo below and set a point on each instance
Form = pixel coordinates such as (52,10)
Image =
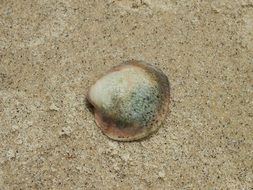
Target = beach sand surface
(51,52)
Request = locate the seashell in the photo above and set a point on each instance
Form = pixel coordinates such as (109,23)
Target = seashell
(130,101)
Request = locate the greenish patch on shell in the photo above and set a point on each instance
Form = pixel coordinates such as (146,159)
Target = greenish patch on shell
(138,107)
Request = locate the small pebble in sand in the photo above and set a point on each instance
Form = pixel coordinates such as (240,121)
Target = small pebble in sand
(10,154)
(53,107)
(66,131)
(130,101)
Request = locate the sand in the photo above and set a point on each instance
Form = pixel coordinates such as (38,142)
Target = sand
(52,51)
